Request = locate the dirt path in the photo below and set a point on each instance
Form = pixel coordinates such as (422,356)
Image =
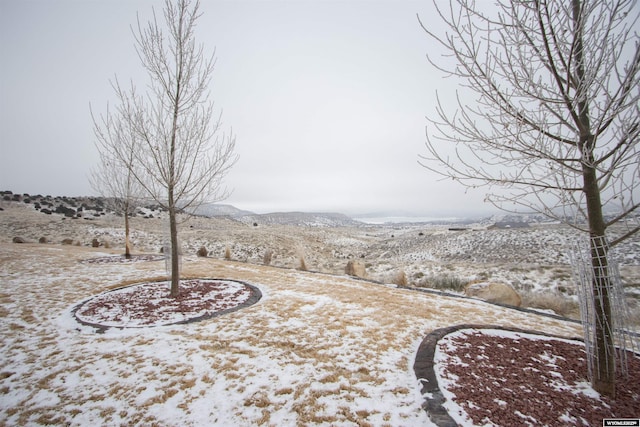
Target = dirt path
(316,348)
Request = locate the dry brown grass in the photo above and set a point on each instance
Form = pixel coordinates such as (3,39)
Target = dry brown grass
(400,278)
(335,329)
(557,302)
(268,256)
(302,264)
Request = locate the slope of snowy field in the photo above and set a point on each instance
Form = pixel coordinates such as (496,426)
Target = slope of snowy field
(317,349)
(533,260)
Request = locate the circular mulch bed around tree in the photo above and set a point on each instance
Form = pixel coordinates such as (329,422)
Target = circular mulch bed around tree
(523,377)
(123,259)
(149,304)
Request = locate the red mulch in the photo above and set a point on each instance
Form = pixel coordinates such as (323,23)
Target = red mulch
(507,382)
(150,304)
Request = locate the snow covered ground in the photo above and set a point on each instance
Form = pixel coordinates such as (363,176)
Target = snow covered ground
(321,349)
(317,349)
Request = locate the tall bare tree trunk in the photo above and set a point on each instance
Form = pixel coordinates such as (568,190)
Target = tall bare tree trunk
(175,253)
(173,226)
(127,240)
(604,376)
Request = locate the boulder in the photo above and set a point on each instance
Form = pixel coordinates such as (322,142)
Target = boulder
(19,240)
(500,293)
(355,268)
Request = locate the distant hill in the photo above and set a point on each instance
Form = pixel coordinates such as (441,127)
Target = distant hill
(308,219)
(88,207)
(215,209)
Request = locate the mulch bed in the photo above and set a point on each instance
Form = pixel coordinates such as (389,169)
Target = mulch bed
(508,381)
(150,304)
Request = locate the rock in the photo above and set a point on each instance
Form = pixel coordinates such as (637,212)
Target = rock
(500,293)
(355,268)
(19,240)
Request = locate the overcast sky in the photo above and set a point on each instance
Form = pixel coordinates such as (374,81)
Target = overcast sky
(327,99)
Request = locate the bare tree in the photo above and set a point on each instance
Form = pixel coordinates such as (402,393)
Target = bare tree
(182,157)
(555,123)
(114,178)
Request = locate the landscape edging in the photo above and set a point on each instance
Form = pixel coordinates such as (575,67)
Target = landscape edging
(424,369)
(256,295)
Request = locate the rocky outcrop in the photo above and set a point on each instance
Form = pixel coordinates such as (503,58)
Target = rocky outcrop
(495,292)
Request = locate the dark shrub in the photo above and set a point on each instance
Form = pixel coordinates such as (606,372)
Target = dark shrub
(68,212)
(202,252)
